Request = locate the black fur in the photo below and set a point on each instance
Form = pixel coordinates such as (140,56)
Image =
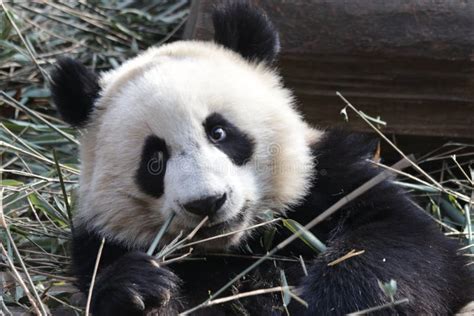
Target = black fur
(399,240)
(74,90)
(237,145)
(151,172)
(127,280)
(134,283)
(85,246)
(247,30)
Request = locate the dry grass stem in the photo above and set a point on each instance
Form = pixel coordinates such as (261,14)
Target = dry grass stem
(94,275)
(350,254)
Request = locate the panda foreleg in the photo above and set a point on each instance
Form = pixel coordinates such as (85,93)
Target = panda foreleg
(127,282)
(338,289)
(135,284)
(346,277)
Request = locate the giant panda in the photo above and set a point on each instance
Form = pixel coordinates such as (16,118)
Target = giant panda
(208,129)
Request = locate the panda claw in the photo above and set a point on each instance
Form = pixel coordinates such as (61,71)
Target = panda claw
(134,285)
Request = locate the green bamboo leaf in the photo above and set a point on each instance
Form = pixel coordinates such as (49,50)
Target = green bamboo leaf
(127,31)
(307,237)
(419,187)
(11,183)
(9,45)
(5,26)
(37,93)
(268,238)
(389,288)
(160,234)
(452,212)
(286,291)
(136,12)
(44,207)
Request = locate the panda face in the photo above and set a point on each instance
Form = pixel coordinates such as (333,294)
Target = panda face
(194,129)
(190,128)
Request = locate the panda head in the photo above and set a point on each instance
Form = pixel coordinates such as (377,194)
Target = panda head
(192,128)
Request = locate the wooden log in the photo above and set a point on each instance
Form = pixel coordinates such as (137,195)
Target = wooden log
(411,62)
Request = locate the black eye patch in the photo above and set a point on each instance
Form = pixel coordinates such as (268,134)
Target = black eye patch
(237,145)
(151,172)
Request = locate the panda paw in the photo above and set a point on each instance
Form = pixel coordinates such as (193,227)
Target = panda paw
(135,285)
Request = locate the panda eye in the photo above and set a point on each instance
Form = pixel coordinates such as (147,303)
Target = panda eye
(217,134)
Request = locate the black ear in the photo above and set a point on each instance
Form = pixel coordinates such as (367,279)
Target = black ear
(74,89)
(242,27)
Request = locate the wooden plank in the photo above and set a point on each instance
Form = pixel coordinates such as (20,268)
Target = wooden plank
(410,62)
(437,29)
(415,97)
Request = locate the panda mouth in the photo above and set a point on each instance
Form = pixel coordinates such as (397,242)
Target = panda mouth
(224,225)
(218,234)
(220,227)
(214,226)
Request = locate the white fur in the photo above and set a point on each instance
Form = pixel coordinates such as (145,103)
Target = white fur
(169,91)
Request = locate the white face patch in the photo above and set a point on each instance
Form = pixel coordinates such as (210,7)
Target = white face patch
(173,105)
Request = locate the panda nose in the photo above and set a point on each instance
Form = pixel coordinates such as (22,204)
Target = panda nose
(206,206)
